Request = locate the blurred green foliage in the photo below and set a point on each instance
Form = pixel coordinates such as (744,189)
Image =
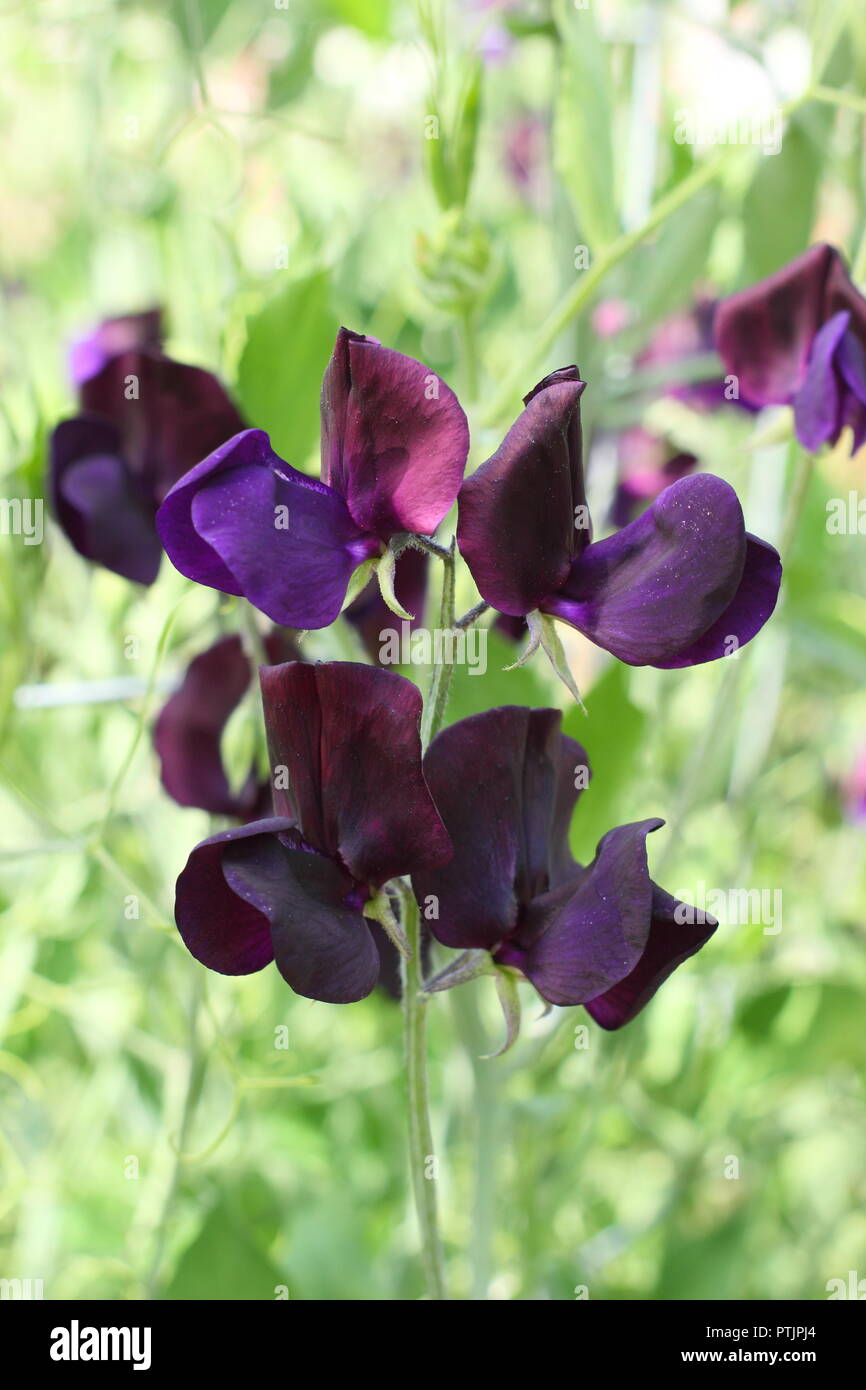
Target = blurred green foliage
(262,171)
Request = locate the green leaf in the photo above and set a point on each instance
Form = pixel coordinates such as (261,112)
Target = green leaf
(779,206)
(583,144)
(288,345)
(222,1262)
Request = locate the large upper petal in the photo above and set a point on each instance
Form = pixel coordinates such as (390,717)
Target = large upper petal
(516,528)
(103,508)
(394,437)
(348,738)
(244,522)
(669,943)
(506,783)
(652,591)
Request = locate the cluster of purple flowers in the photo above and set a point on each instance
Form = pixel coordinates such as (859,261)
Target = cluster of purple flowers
(159,458)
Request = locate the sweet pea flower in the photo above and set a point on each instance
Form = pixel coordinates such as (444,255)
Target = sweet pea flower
(603,935)
(351,811)
(394,447)
(683,584)
(144,419)
(188,732)
(123,333)
(799,338)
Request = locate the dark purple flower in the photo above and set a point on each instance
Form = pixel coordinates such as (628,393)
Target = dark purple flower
(799,338)
(370,615)
(394,446)
(352,810)
(125,333)
(683,584)
(188,732)
(603,935)
(144,420)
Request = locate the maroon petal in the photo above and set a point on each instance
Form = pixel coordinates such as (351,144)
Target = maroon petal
(668,945)
(169,415)
(189,729)
(505,784)
(348,738)
(765,333)
(649,593)
(394,438)
(89,354)
(517,526)
(101,506)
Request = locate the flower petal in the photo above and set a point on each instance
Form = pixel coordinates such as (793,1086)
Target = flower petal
(764,334)
(748,611)
(189,729)
(818,402)
(649,592)
(517,527)
(668,945)
(99,504)
(89,354)
(596,933)
(224,932)
(322,945)
(504,782)
(244,522)
(394,438)
(348,737)
(169,414)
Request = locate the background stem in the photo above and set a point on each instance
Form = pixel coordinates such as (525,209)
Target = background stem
(422,1162)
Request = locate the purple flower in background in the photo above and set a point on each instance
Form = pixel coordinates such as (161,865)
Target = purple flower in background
(144,419)
(370,615)
(604,935)
(854,791)
(680,339)
(647,465)
(394,447)
(684,583)
(799,338)
(125,333)
(351,810)
(188,732)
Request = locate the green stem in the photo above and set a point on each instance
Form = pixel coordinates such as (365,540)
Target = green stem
(832,96)
(422,1160)
(440,684)
(796,501)
(195,1077)
(572,303)
(487,1079)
